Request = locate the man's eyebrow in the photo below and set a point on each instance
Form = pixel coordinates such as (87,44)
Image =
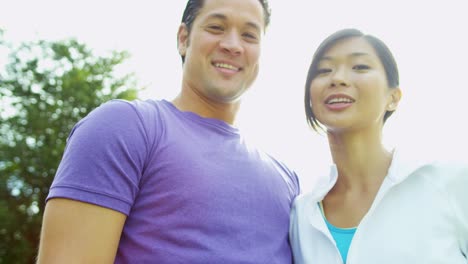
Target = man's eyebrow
(218,16)
(224,17)
(254,26)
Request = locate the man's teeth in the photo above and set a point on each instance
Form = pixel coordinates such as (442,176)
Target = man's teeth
(226,66)
(339,100)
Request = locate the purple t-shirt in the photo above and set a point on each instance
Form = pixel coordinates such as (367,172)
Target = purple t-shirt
(193,190)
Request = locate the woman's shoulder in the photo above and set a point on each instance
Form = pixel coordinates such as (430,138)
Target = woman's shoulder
(448,176)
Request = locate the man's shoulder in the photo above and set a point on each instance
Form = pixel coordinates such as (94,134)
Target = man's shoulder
(119,119)
(289,174)
(127,112)
(140,107)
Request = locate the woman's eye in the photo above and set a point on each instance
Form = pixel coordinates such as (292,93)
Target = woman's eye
(323,70)
(361,67)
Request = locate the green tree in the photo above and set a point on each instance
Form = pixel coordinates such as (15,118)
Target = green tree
(45,88)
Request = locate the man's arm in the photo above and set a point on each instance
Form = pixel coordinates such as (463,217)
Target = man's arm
(77,232)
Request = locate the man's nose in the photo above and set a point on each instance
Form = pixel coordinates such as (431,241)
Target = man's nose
(232,43)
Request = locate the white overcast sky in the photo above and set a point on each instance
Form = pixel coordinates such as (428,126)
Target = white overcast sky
(428,39)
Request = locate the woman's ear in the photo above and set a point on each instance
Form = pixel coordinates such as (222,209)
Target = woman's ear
(394,99)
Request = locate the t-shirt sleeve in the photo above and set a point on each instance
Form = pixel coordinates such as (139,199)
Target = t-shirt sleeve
(293,182)
(104,158)
(296,184)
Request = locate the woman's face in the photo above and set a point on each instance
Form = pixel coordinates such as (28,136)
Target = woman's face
(351,90)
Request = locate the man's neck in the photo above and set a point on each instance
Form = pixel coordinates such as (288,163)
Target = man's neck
(207,108)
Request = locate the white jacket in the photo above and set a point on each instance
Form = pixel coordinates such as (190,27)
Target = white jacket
(420,215)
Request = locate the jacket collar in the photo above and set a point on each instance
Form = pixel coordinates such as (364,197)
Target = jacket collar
(400,168)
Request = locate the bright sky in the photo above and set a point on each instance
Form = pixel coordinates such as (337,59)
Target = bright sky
(427,38)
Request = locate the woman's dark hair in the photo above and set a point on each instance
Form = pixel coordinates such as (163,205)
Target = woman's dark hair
(383,52)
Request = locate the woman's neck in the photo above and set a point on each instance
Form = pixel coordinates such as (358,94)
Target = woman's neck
(361,159)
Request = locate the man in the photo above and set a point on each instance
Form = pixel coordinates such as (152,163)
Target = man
(174,182)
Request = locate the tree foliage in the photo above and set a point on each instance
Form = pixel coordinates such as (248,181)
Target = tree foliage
(45,88)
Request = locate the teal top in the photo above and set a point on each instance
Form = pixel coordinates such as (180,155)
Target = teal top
(342,236)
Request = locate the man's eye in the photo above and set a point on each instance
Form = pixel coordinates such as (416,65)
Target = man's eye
(216,28)
(250,36)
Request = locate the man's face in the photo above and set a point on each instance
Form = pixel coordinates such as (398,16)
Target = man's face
(222,49)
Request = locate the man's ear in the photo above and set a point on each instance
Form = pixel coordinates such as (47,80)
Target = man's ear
(182,39)
(395,96)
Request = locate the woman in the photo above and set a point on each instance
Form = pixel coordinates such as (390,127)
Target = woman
(375,206)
